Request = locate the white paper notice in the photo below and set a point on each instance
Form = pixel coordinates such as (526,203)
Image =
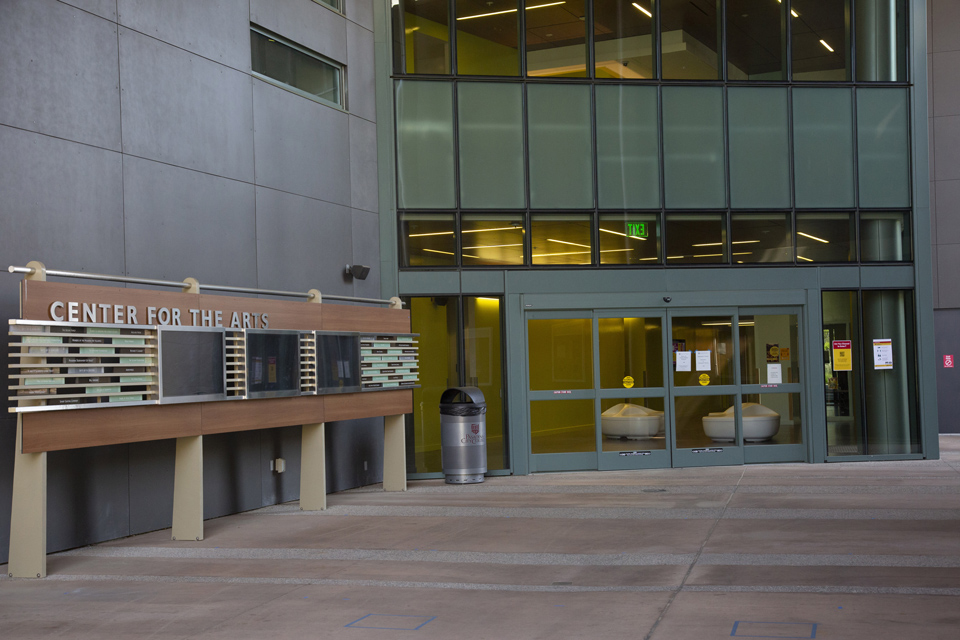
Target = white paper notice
(703,361)
(683,361)
(883,353)
(774,373)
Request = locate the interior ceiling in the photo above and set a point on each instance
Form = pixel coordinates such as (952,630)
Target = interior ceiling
(754,27)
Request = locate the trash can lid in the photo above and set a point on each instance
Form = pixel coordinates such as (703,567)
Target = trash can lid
(473,394)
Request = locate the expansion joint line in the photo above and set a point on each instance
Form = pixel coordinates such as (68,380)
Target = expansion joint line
(696,559)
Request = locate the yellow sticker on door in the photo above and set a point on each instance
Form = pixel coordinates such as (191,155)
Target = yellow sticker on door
(704,379)
(628,382)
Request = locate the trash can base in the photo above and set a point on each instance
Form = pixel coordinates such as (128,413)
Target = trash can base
(464,479)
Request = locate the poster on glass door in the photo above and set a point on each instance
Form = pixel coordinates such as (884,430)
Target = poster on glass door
(882,354)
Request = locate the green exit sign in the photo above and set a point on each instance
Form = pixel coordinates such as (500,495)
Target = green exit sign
(637,229)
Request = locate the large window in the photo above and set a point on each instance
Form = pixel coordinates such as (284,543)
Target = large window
(294,67)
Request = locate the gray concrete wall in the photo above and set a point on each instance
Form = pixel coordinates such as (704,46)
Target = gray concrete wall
(943,60)
(134,140)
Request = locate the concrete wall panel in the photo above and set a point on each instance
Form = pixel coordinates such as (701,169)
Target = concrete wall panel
(947,331)
(103,8)
(948,260)
(364,187)
(215,29)
(360,73)
(946,82)
(59,73)
(302,243)
(281,443)
(948,207)
(184,110)
(302,146)
(151,485)
(944,18)
(305,23)
(232,470)
(8,438)
(366,251)
(947,152)
(354,453)
(184,223)
(87,496)
(361,12)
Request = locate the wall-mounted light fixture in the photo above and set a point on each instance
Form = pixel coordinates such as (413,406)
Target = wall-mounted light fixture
(358,271)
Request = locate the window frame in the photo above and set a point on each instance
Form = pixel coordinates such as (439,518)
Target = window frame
(340,69)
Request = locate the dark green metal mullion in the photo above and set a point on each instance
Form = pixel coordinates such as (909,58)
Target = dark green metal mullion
(851,45)
(504,383)
(721,41)
(400,22)
(595,215)
(662,236)
(655,42)
(452,34)
(856,173)
(737,379)
(786,54)
(527,244)
(461,342)
(522,37)
(793,176)
(728,241)
(588,39)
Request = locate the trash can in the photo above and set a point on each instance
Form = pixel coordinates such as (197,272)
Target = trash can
(463,435)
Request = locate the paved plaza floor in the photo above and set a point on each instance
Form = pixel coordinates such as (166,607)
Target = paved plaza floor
(854,550)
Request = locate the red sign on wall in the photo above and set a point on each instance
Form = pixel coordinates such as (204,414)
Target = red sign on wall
(948,362)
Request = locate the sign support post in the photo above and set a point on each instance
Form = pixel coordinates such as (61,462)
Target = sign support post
(188,475)
(394,443)
(313,458)
(28,513)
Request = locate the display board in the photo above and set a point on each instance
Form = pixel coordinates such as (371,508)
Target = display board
(192,365)
(389,361)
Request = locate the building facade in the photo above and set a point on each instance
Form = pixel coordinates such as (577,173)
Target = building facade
(578,200)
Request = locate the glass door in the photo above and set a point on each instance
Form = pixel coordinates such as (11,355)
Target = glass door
(703,387)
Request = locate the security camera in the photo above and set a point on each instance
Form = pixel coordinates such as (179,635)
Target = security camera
(667,298)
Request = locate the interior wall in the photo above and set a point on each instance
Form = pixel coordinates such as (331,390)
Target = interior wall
(135,141)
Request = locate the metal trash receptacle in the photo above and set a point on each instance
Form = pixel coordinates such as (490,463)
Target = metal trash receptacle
(463,435)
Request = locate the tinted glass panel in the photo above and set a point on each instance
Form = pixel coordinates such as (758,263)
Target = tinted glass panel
(560,147)
(492,239)
(629,238)
(556,38)
(696,238)
(294,68)
(842,383)
(881,40)
(884,236)
(561,352)
(628,150)
(759,147)
(821,40)
(756,45)
(688,39)
(425,159)
(631,353)
(769,349)
(427,45)
(560,239)
(491,146)
(772,418)
(825,237)
(761,237)
(481,343)
(631,424)
(623,37)
(693,147)
(708,345)
(427,240)
(697,415)
(562,426)
(883,147)
(823,147)
(487,37)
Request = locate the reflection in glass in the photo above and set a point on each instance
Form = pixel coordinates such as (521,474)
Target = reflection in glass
(487,37)
(693,148)
(482,368)
(761,237)
(562,426)
(759,145)
(708,345)
(761,427)
(823,147)
(631,353)
(884,236)
(883,147)
(769,346)
(425,145)
(890,394)
(629,238)
(756,44)
(492,239)
(427,240)
(696,238)
(556,38)
(560,354)
(689,412)
(435,319)
(826,237)
(820,32)
(881,40)
(632,424)
(842,384)
(688,40)
(426,27)
(294,68)
(490,140)
(560,146)
(560,239)
(623,39)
